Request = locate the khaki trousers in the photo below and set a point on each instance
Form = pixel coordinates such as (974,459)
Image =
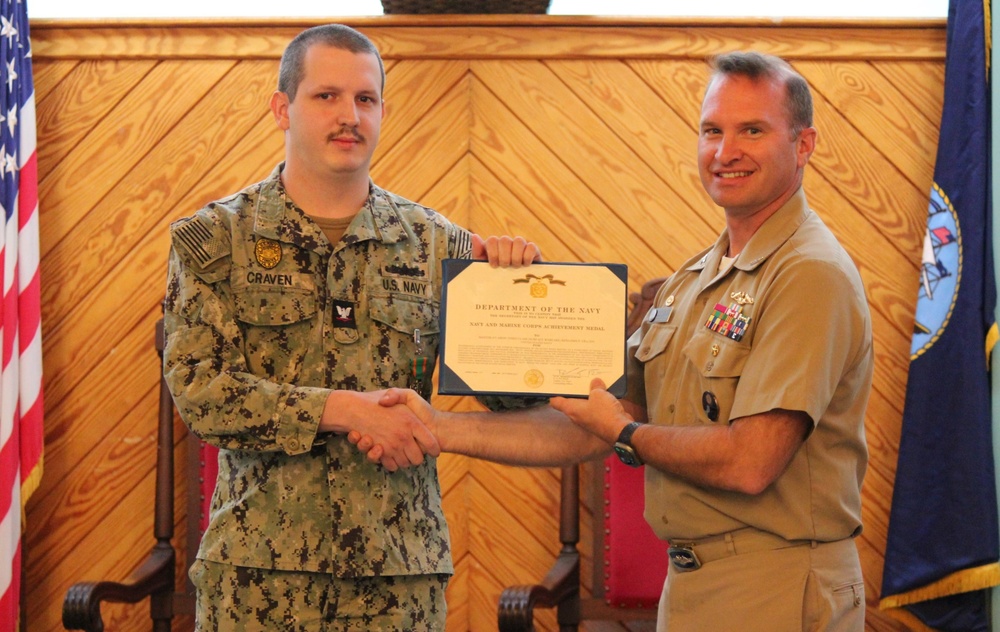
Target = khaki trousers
(809,587)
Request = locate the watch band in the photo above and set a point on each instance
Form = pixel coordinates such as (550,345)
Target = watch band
(626,434)
(623,446)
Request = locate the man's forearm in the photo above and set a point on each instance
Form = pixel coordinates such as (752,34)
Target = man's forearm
(538,436)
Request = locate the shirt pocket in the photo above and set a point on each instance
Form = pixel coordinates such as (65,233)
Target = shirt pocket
(270,308)
(279,330)
(407,332)
(715,356)
(654,342)
(718,363)
(404,315)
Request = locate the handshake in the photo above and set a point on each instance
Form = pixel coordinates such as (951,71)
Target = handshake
(407,434)
(399,428)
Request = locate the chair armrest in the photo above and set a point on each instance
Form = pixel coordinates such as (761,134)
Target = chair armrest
(560,586)
(82,606)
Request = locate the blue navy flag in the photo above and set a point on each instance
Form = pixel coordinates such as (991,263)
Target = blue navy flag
(942,547)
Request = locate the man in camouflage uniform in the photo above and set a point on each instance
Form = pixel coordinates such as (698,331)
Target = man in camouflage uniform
(290,307)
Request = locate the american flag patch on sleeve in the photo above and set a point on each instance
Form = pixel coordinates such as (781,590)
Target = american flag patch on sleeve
(198,241)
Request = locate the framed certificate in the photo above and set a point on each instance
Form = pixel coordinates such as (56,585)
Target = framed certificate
(542,330)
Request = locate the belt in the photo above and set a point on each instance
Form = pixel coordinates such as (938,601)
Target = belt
(691,555)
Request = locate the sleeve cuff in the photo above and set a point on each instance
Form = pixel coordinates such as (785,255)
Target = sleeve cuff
(298,420)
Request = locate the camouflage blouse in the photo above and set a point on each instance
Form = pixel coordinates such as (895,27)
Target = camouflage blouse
(264,316)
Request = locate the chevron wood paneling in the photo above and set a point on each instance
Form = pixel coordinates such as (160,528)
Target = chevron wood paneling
(578,133)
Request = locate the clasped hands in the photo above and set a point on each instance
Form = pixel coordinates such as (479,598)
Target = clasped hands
(404,439)
(601,414)
(424,439)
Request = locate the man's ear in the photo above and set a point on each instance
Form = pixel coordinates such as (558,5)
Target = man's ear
(279,108)
(805,145)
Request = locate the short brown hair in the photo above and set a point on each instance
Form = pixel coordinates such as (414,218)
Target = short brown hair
(336,35)
(755,66)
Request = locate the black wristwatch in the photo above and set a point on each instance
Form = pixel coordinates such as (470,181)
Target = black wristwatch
(623,446)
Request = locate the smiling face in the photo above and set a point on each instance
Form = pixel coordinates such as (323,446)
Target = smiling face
(332,123)
(749,158)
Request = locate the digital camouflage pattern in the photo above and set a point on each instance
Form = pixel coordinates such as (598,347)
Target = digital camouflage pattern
(263,317)
(237,598)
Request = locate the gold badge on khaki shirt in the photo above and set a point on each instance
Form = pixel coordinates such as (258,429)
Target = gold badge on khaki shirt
(268,252)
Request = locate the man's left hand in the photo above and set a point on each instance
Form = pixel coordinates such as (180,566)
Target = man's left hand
(601,414)
(505,251)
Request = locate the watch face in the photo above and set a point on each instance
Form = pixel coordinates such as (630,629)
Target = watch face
(627,455)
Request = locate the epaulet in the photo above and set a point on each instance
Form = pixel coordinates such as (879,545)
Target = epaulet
(197,243)
(459,243)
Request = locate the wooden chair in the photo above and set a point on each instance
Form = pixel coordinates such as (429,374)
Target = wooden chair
(624,546)
(155,577)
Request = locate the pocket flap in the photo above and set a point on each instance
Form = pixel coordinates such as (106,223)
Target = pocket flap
(654,342)
(275,308)
(404,315)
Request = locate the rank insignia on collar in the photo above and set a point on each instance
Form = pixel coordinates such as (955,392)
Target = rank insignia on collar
(729,321)
(268,252)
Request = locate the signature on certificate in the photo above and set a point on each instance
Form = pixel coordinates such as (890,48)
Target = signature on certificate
(580,371)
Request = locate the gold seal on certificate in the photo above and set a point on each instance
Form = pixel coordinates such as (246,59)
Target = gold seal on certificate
(547,329)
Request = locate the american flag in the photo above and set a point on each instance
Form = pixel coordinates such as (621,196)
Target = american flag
(20,317)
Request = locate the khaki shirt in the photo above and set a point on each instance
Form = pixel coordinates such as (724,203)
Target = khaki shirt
(785,326)
(264,317)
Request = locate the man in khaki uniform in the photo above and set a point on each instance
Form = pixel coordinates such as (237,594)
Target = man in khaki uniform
(290,307)
(753,372)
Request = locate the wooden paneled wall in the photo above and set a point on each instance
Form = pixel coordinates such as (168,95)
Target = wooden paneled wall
(576,132)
